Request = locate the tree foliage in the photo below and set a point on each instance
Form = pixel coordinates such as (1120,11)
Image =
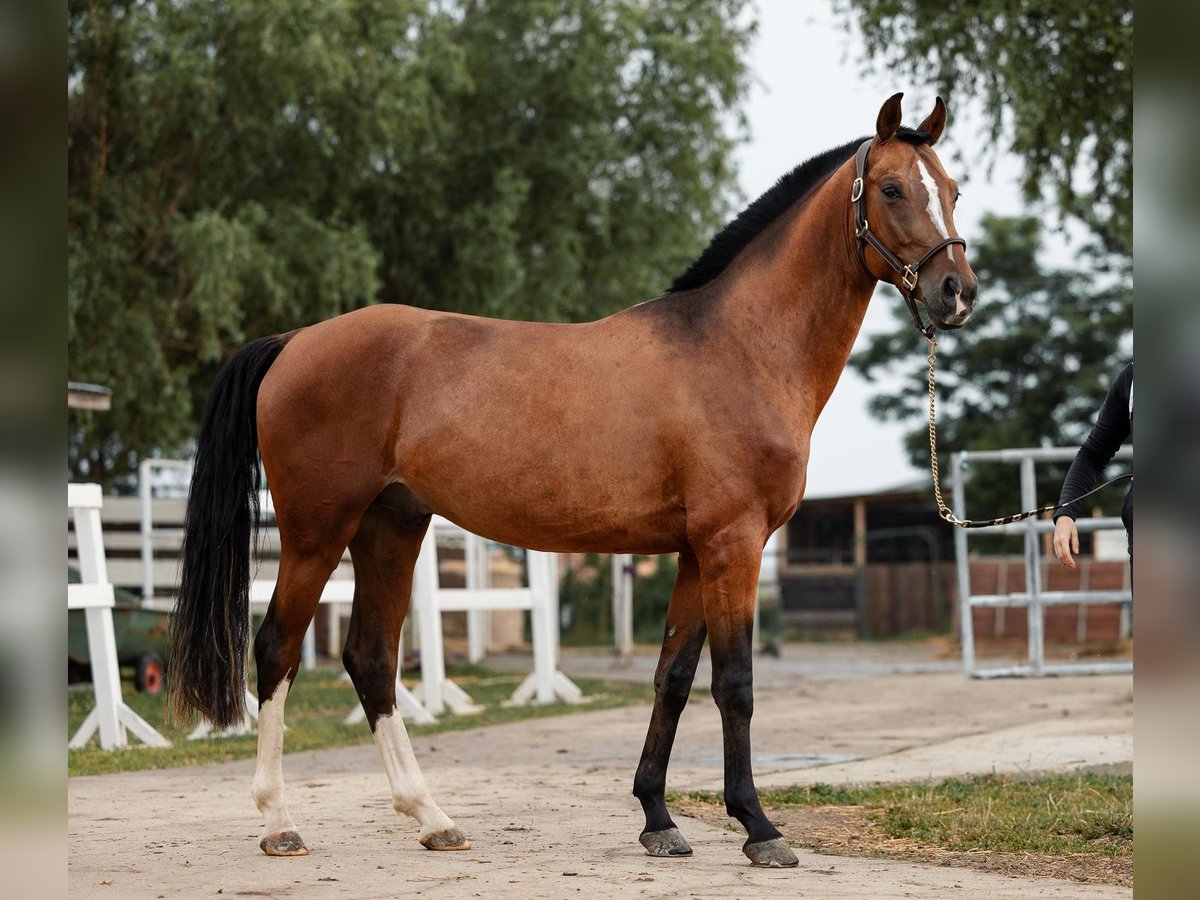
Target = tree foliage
(1030,369)
(246,167)
(1054,81)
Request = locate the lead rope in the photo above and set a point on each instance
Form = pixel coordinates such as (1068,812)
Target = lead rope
(944,511)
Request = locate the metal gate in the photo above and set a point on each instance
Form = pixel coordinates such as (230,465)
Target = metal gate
(1034,598)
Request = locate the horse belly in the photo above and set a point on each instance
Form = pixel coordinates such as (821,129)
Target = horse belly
(544,489)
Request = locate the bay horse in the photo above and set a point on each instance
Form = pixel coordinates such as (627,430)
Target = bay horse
(679,425)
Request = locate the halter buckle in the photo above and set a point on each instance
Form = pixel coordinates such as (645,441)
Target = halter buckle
(909,278)
(856,190)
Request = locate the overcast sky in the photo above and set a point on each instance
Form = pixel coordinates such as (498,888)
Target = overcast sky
(807,70)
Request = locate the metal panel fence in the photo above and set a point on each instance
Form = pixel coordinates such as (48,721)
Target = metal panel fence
(1033,598)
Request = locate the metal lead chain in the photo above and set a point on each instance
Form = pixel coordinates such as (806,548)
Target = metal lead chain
(944,511)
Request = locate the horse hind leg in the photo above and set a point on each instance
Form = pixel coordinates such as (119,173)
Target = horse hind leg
(302,578)
(683,640)
(384,552)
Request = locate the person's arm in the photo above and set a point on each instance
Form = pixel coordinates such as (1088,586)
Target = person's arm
(1110,431)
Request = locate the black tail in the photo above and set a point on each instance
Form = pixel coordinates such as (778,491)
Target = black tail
(210,630)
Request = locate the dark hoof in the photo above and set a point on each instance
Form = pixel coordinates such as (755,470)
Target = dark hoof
(668,842)
(774,854)
(283,843)
(447,839)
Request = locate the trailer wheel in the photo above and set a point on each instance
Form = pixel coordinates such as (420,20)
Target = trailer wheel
(150,670)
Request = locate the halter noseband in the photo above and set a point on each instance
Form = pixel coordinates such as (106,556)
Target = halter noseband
(862,231)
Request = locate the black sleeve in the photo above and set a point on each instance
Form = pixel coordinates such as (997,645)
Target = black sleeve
(1108,434)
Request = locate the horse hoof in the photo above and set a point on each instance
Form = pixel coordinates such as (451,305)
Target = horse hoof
(668,842)
(774,854)
(283,843)
(446,839)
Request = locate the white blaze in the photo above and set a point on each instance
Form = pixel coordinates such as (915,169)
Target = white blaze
(935,205)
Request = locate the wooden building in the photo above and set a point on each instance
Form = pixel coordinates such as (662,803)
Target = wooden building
(867,565)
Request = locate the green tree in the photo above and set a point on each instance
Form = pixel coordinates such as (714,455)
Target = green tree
(1054,81)
(246,167)
(1030,369)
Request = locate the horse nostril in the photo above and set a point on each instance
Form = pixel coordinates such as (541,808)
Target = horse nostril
(951,287)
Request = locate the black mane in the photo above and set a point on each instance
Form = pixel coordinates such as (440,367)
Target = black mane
(750,222)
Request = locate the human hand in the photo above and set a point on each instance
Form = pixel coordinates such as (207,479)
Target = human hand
(1066,540)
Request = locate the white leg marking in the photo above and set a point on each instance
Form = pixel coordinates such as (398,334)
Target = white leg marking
(934,205)
(268,776)
(410,795)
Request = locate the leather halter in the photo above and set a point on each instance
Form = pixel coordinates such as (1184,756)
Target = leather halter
(908,273)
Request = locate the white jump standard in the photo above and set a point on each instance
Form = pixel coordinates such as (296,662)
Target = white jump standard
(545,684)
(94,595)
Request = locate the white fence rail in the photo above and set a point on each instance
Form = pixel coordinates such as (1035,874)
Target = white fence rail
(545,684)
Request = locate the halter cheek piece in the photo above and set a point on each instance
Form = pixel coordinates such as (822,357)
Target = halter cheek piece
(862,231)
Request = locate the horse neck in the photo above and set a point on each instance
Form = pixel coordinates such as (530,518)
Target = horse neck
(801,296)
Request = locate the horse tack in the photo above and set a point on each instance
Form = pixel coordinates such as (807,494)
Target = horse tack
(910,272)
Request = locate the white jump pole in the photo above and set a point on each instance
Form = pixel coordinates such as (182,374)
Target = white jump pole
(436,691)
(479,621)
(94,595)
(545,683)
(622,605)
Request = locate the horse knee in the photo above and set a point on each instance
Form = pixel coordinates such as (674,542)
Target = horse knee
(733,689)
(674,687)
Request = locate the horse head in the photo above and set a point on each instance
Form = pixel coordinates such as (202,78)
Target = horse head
(904,210)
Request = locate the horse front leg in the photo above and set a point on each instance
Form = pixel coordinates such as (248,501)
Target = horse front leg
(683,639)
(729,568)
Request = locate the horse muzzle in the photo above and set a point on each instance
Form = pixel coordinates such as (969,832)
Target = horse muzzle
(952,304)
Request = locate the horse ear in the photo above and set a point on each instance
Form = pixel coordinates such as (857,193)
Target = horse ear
(935,121)
(888,122)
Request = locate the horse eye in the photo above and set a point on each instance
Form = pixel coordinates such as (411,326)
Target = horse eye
(891,191)
(957,194)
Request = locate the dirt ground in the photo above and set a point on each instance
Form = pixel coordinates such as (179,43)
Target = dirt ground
(547,802)
(849,831)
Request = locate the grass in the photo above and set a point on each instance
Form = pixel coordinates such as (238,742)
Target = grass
(316,706)
(1056,815)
